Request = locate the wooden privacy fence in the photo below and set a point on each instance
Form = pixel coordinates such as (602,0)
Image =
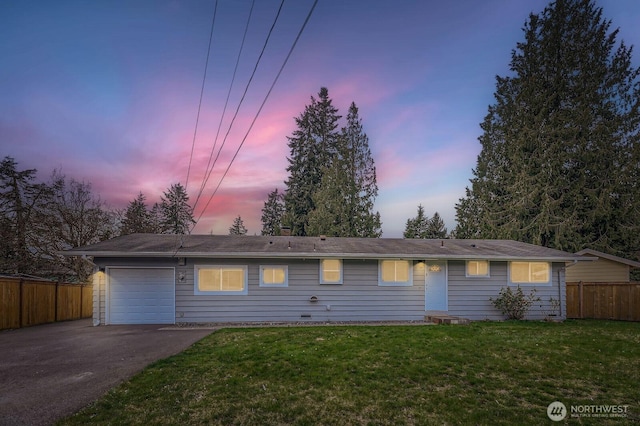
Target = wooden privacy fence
(617,300)
(25,302)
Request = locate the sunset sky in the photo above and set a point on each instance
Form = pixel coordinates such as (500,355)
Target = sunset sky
(107,92)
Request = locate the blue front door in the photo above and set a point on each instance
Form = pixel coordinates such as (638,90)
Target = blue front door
(435,286)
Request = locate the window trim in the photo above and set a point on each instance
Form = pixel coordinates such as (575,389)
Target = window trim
(285,268)
(341,270)
(196,281)
(547,283)
(408,283)
(469,275)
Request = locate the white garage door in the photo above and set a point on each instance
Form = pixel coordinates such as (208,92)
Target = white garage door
(141,296)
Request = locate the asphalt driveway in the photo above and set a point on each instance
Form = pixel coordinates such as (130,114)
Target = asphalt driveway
(50,371)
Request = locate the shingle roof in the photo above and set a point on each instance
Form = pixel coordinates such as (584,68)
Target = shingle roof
(228,246)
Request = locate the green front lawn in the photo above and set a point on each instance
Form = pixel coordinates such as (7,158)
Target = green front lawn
(483,373)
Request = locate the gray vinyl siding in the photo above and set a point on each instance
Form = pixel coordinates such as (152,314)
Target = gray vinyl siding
(98,299)
(359,298)
(469,297)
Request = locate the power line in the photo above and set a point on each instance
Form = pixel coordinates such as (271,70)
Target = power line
(260,109)
(224,110)
(204,79)
(246,89)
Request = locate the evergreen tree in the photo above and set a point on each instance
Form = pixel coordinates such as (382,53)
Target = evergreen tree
(417,227)
(155,216)
(559,159)
(331,214)
(312,147)
(177,215)
(360,187)
(21,199)
(436,228)
(238,227)
(272,214)
(137,219)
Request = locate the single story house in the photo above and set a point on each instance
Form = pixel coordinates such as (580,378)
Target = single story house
(607,269)
(152,279)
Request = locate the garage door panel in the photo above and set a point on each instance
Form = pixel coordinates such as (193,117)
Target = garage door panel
(141,295)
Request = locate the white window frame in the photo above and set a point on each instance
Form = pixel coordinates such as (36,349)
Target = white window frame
(407,283)
(530,282)
(196,278)
(468,274)
(285,269)
(322,272)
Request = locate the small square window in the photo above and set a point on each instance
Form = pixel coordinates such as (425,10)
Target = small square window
(330,271)
(395,272)
(477,268)
(274,276)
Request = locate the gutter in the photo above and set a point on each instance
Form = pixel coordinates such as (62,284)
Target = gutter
(318,255)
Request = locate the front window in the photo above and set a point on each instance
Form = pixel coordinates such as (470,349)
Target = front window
(220,279)
(477,268)
(530,273)
(274,276)
(395,272)
(331,271)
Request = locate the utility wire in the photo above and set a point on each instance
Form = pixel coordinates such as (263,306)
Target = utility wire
(260,109)
(224,110)
(246,89)
(204,79)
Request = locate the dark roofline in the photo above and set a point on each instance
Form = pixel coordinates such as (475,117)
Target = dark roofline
(287,247)
(630,263)
(305,255)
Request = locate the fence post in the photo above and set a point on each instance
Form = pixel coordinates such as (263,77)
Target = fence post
(55,303)
(580,301)
(20,284)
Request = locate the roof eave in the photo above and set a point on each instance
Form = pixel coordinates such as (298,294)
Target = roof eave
(317,255)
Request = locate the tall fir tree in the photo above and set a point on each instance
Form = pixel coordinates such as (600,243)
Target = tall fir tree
(417,227)
(312,147)
(177,215)
(559,159)
(436,227)
(272,214)
(137,218)
(361,187)
(21,199)
(331,214)
(238,228)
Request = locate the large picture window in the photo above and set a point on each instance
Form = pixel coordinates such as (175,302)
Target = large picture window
(330,271)
(274,276)
(220,279)
(395,272)
(530,273)
(477,268)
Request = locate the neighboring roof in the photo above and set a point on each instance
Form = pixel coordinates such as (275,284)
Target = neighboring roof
(611,257)
(230,246)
